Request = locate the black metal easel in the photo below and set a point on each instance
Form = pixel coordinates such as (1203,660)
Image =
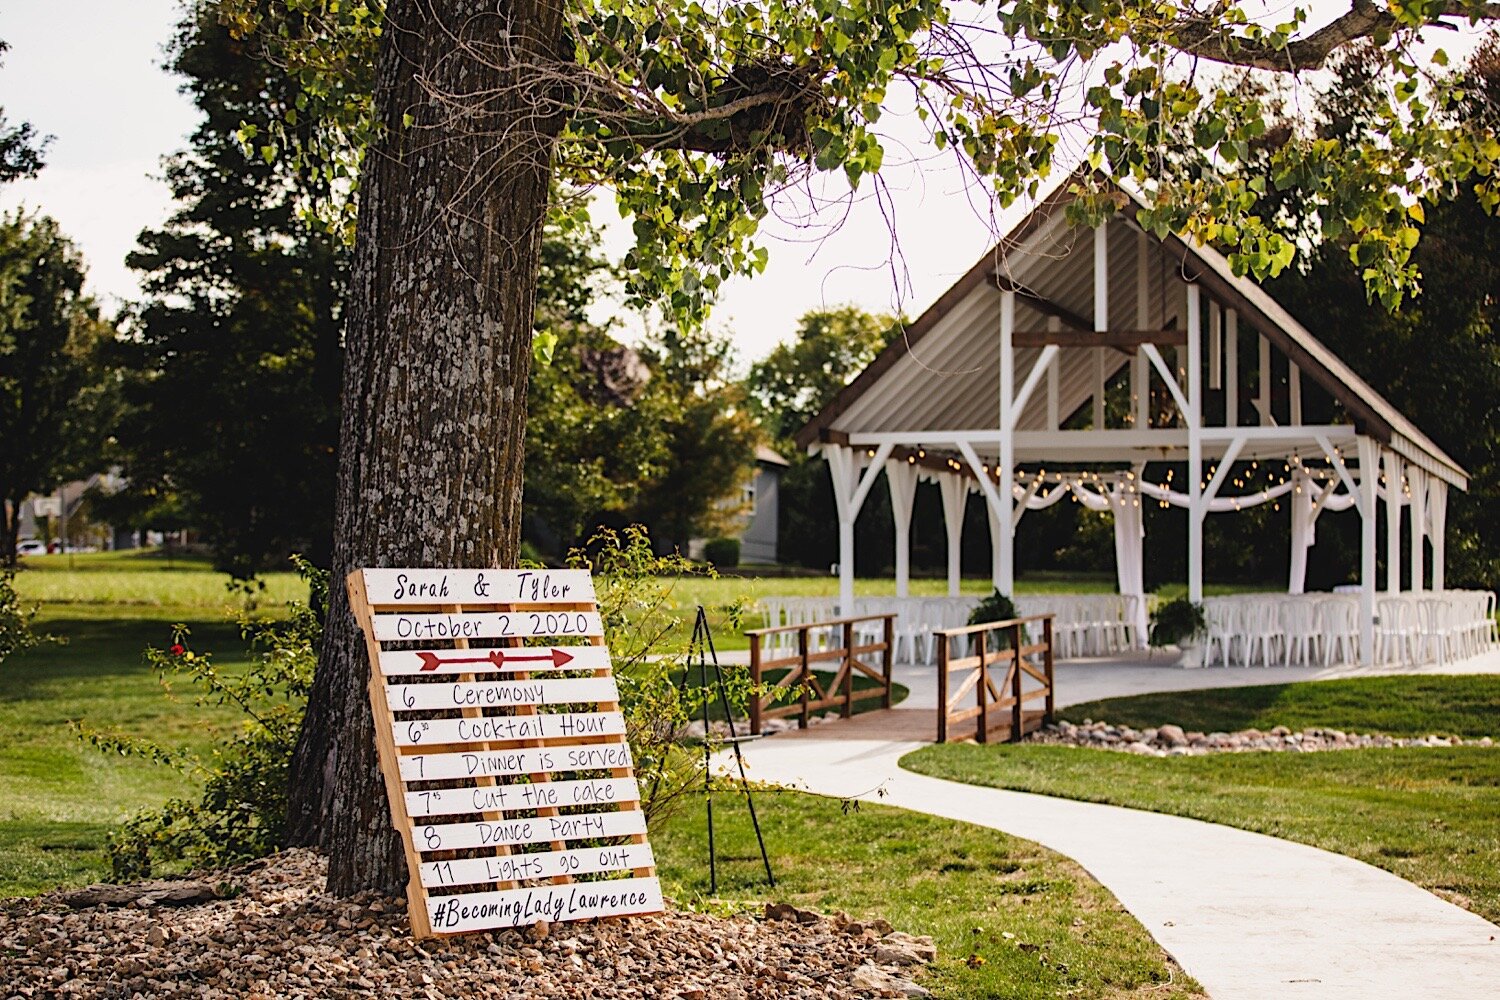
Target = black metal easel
(702,646)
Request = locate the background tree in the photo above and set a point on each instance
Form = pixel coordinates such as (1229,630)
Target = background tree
(236,353)
(21,148)
(1438,358)
(693,115)
(594,437)
(53,383)
(710,438)
(801,376)
(789,387)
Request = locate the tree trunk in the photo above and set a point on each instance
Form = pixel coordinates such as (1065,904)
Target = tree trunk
(12,529)
(438,353)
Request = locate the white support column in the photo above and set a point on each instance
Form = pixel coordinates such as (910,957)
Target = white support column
(1418,503)
(997,533)
(955,493)
(1000,503)
(1005,541)
(1263,399)
(1369,470)
(901,476)
(1437,513)
(1215,346)
(1140,368)
(849,491)
(1053,390)
(1231,368)
(1392,522)
(1101,316)
(1194,418)
(1301,504)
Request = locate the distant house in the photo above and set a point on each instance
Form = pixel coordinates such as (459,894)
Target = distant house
(762,502)
(69,500)
(757,518)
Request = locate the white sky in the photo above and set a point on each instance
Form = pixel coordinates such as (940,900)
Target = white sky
(89,72)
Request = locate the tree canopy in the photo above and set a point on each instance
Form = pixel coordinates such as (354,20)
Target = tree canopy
(53,382)
(21,148)
(696,115)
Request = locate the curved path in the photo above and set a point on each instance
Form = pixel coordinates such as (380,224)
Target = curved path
(1249,916)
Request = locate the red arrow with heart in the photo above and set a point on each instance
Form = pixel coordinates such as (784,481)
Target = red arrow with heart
(498,657)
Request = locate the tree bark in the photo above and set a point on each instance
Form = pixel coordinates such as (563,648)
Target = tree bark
(438,341)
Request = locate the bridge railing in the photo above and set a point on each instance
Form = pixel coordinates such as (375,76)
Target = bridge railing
(840,642)
(995,649)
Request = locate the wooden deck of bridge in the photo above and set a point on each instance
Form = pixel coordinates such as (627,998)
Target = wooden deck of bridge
(896,724)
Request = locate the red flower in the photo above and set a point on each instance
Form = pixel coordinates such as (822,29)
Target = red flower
(178,649)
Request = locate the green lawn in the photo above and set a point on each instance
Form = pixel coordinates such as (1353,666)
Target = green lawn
(58,796)
(1431,816)
(967,886)
(144,577)
(1466,706)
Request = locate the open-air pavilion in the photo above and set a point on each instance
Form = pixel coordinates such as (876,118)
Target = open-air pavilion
(1069,360)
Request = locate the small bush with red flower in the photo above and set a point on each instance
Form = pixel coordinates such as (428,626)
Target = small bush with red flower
(241,813)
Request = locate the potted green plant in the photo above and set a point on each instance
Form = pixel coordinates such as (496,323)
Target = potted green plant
(1180,623)
(997,607)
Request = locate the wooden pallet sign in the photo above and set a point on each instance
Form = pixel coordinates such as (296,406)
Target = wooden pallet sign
(503,748)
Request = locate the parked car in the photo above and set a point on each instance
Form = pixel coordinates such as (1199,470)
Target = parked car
(31,547)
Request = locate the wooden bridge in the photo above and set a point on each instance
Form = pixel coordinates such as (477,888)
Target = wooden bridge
(995,680)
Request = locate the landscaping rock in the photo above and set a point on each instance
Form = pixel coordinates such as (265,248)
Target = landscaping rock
(1171,736)
(897,948)
(282,935)
(1171,741)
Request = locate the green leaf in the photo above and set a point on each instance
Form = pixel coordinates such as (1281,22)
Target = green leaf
(543,344)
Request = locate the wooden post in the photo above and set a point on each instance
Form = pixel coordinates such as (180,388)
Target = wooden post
(887,659)
(802,673)
(1051,676)
(1016,717)
(982,736)
(848,708)
(385,745)
(755,693)
(942,699)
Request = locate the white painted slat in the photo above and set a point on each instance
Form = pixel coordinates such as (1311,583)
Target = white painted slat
(516,907)
(532,830)
(425,627)
(501,694)
(501,763)
(541,726)
(543,864)
(478,586)
(520,795)
(396,662)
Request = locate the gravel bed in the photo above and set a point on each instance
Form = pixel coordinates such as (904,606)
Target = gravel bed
(1173,741)
(268,930)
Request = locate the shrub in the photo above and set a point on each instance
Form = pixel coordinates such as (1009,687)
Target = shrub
(241,813)
(722,552)
(1175,621)
(16,631)
(649,637)
(997,607)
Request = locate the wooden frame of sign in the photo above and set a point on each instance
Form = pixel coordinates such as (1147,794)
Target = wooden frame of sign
(469,752)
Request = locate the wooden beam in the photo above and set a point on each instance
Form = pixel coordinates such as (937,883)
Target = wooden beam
(1123,339)
(1036,300)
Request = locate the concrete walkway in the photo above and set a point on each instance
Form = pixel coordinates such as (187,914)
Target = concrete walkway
(1248,916)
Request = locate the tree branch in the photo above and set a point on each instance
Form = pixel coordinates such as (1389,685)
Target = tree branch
(1208,38)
